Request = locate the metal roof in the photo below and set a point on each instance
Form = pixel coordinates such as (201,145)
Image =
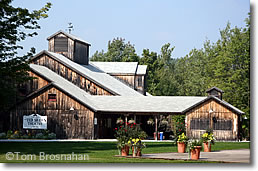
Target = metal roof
(73,37)
(96,75)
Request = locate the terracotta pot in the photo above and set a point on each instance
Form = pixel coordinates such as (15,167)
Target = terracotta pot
(206,147)
(125,150)
(138,152)
(195,153)
(154,135)
(180,147)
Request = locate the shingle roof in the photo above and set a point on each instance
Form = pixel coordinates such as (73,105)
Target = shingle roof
(68,35)
(141,70)
(154,104)
(96,75)
(214,88)
(63,84)
(116,67)
(147,104)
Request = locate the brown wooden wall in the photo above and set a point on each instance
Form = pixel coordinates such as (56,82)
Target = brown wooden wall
(61,120)
(71,75)
(221,113)
(69,54)
(132,81)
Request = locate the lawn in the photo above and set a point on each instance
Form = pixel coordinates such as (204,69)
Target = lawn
(98,152)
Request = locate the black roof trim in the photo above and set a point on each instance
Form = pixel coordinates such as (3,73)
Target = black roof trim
(216,88)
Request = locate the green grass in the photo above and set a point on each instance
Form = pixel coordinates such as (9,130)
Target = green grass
(98,152)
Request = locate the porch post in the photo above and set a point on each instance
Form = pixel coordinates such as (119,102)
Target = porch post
(134,118)
(156,127)
(126,119)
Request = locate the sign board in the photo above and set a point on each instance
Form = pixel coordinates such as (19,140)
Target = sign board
(34,121)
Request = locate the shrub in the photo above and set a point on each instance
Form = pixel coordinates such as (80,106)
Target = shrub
(9,133)
(25,137)
(51,135)
(3,135)
(39,136)
(15,136)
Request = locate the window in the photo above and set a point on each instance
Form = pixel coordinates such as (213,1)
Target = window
(61,44)
(52,97)
(222,125)
(139,81)
(199,124)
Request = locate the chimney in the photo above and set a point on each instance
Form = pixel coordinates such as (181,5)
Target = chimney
(70,46)
(214,91)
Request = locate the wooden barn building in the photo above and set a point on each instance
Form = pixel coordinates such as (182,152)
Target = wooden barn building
(83,99)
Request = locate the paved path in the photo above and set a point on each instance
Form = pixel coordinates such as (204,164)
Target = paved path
(232,156)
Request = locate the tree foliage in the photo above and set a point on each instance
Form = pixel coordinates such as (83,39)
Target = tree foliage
(16,24)
(118,51)
(224,64)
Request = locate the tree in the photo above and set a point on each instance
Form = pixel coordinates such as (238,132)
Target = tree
(16,24)
(118,51)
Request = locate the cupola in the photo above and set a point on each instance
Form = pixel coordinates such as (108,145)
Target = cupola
(70,46)
(214,91)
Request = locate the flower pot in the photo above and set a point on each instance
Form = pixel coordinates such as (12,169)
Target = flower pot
(206,147)
(154,135)
(195,153)
(125,150)
(180,147)
(137,153)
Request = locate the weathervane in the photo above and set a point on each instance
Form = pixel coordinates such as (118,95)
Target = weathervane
(70,27)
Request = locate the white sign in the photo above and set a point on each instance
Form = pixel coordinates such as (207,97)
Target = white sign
(34,121)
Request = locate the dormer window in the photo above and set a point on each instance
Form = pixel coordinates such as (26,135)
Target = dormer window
(61,44)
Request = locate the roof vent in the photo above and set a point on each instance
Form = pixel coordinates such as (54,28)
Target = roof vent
(214,91)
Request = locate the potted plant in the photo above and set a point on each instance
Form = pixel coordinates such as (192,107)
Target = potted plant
(122,139)
(142,135)
(150,121)
(119,121)
(137,146)
(181,143)
(208,139)
(194,149)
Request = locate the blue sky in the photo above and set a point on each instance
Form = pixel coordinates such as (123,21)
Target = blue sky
(185,24)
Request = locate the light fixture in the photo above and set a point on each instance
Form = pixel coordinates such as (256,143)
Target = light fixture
(211,111)
(71,108)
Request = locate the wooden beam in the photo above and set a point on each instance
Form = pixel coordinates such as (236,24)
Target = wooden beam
(156,127)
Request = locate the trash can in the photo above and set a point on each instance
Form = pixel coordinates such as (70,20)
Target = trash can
(161,136)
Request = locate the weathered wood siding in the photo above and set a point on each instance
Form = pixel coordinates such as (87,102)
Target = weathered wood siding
(221,113)
(137,82)
(62,121)
(70,51)
(140,83)
(81,54)
(129,80)
(71,75)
